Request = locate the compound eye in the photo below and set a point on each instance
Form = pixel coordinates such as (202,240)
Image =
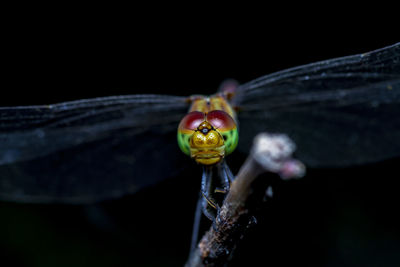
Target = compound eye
(191,121)
(221,120)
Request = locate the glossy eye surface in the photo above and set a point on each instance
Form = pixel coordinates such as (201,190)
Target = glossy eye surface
(221,120)
(191,121)
(226,126)
(186,128)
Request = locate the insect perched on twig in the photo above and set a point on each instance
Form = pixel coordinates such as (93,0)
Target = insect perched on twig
(339,112)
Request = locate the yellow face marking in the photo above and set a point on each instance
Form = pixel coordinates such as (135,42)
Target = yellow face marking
(207,145)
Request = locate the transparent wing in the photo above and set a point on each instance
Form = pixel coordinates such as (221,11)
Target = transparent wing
(339,112)
(88,150)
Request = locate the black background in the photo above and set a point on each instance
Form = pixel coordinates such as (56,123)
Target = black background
(343,217)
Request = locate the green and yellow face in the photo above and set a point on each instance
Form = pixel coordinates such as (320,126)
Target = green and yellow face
(207,138)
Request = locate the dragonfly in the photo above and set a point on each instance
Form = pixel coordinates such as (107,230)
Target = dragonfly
(339,112)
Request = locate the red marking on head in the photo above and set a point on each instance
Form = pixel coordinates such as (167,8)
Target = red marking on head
(191,121)
(221,120)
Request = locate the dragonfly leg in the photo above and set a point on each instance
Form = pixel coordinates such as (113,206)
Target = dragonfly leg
(203,204)
(207,210)
(226,177)
(205,191)
(225,182)
(228,172)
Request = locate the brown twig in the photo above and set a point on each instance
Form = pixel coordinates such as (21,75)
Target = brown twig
(270,153)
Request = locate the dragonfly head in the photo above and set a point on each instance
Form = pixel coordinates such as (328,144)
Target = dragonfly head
(206,144)
(207,137)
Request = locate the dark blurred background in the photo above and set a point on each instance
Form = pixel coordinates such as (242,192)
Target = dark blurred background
(344,217)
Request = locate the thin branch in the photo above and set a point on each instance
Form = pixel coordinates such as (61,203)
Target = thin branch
(270,153)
